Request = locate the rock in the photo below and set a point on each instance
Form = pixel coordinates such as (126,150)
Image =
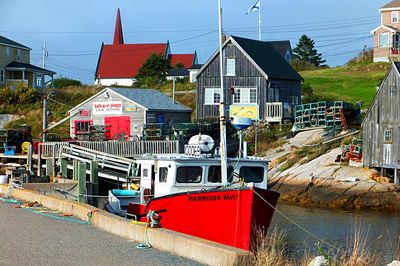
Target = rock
(394,263)
(319,261)
(6,118)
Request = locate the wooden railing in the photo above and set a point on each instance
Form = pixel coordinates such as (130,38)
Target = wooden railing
(120,148)
(274,112)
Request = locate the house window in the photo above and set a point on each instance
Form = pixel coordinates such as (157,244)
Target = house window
(19,55)
(2,74)
(245,96)
(395,16)
(294,100)
(82,127)
(8,51)
(273,92)
(388,136)
(212,96)
(230,67)
(162,174)
(393,89)
(39,81)
(189,174)
(383,40)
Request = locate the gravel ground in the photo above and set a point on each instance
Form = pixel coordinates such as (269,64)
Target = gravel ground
(27,238)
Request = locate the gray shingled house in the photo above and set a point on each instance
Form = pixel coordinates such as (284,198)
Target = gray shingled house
(121,113)
(381,131)
(259,83)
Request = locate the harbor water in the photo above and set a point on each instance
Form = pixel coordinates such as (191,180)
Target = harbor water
(337,227)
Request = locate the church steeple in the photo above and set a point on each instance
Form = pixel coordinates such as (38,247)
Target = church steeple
(118,35)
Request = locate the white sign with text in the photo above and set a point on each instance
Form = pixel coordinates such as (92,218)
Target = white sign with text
(107,108)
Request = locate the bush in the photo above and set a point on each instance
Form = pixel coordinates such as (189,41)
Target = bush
(65,82)
(301,65)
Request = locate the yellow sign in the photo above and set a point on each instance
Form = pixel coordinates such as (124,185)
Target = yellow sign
(248,111)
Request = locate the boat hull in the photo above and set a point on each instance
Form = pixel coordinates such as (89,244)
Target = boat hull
(228,216)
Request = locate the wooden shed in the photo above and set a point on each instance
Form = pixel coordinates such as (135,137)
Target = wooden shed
(259,83)
(381,135)
(122,113)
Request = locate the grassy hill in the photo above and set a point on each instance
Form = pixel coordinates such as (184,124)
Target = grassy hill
(346,83)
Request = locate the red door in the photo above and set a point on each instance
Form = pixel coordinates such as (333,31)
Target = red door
(117,127)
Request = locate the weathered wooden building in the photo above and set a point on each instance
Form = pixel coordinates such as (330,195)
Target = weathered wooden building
(381,135)
(121,113)
(259,83)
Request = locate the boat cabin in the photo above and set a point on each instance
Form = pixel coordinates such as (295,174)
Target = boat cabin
(162,175)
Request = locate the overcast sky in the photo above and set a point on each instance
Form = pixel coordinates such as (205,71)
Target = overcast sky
(73,30)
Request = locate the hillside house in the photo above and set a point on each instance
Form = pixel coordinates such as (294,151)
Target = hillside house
(381,135)
(259,83)
(122,113)
(387,35)
(15,67)
(118,63)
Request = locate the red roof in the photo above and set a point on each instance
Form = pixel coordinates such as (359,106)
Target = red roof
(186,59)
(124,60)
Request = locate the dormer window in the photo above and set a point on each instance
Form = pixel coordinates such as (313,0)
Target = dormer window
(395,16)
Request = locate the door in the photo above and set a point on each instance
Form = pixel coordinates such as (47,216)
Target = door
(387,154)
(117,127)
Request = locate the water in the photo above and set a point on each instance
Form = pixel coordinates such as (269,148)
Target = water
(381,229)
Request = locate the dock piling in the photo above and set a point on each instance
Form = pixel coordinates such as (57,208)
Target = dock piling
(81,173)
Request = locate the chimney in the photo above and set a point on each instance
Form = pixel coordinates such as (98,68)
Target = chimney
(223,38)
(118,35)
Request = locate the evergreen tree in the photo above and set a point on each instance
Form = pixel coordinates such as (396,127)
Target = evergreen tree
(306,51)
(153,71)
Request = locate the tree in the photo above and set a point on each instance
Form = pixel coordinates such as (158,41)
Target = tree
(153,71)
(306,51)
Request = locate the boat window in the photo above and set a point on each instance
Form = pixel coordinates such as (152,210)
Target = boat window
(252,173)
(214,174)
(189,174)
(162,174)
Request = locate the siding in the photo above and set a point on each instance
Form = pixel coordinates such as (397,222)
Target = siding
(5,60)
(383,115)
(247,75)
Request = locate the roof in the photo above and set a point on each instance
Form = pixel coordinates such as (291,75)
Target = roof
(281,46)
(23,66)
(264,56)
(392,4)
(151,99)
(6,41)
(389,28)
(186,59)
(196,66)
(124,60)
(178,72)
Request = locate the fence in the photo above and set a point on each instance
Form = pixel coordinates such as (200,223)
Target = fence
(119,148)
(274,112)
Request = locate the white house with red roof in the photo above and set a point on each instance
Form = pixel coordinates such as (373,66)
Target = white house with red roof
(118,63)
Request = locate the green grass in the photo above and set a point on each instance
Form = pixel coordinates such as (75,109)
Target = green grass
(350,84)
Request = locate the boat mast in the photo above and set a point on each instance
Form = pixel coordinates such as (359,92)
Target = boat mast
(222,118)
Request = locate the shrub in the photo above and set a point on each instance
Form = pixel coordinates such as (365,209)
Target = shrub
(65,82)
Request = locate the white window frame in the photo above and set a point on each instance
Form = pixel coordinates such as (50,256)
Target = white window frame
(19,55)
(2,75)
(294,100)
(395,17)
(210,96)
(243,96)
(379,40)
(8,51)
(231,67)
(39,78)
(387,136)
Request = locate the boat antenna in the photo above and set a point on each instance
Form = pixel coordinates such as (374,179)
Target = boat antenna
(222,117)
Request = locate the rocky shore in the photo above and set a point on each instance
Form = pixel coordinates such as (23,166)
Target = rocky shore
(337,194)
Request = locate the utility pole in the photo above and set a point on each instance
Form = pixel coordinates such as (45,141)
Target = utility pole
(45,103)
(45,54)
(222,118)
(173,89)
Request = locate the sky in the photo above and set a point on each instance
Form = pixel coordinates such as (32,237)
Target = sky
(74,30)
